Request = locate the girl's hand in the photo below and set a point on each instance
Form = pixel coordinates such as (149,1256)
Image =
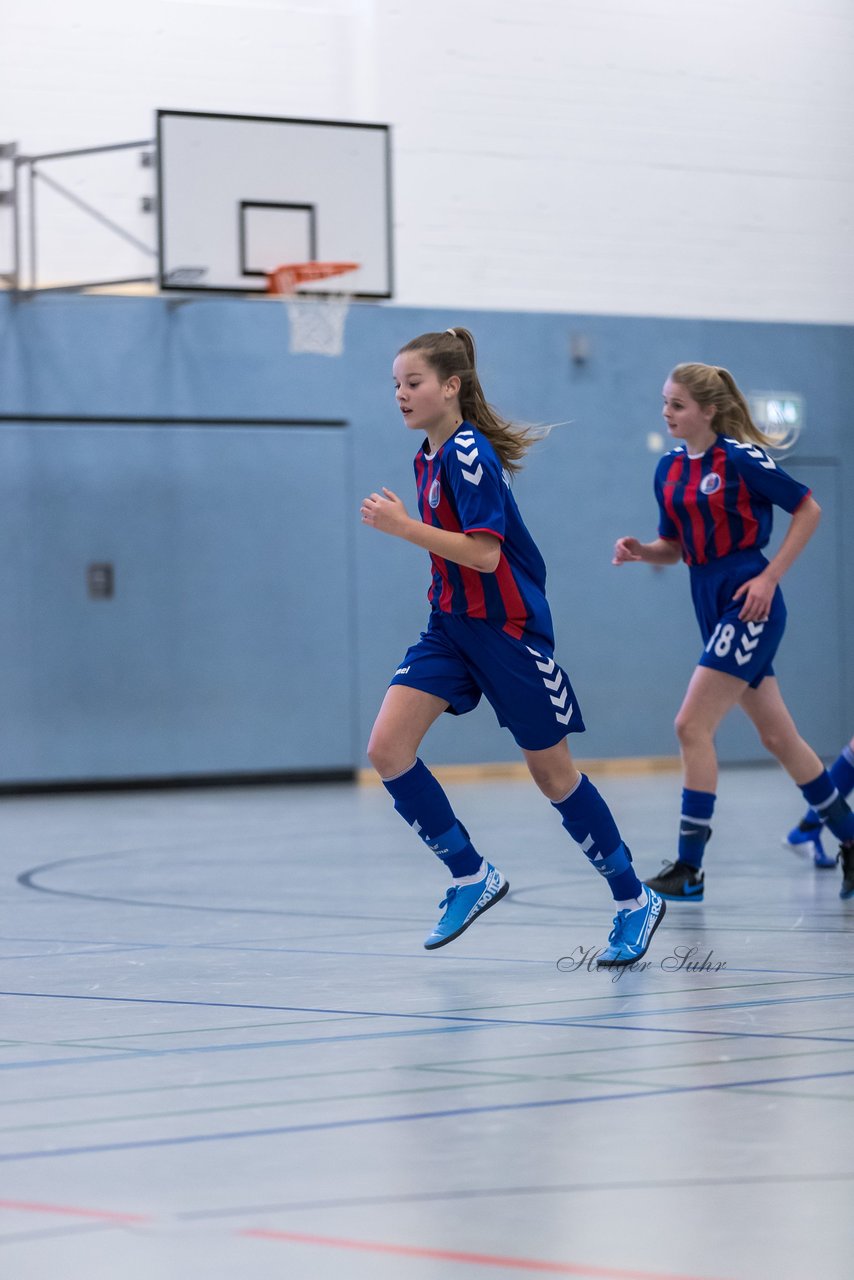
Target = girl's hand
(385,512)
(758,594)
(626,550)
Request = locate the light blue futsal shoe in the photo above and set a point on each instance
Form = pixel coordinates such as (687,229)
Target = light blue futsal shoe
(464,903)
(632,933)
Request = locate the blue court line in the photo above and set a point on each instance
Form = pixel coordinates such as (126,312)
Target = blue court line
(450,1023)
(253,948)
(367,955)
(799,973)
(221,1004)
(583,1021)
(763,1003)
(248,1046)
(105,949)
(77,942)
(409,1117)
(568,1020)
(535,1189)
(120,1055)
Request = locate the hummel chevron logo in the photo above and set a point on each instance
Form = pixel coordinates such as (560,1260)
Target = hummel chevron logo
(467,453)
(753,451)
(744,652)
(547,664)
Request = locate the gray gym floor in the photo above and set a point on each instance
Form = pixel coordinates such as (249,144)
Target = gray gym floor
(225,1053)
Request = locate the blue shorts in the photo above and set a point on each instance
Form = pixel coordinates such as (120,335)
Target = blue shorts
(459,658)
(742,649)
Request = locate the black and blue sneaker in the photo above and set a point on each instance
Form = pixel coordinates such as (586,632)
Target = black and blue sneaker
(678,882)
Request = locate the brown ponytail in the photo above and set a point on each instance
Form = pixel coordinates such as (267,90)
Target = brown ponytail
(452,354)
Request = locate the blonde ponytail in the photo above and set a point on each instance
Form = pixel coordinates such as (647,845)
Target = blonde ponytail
(711,384)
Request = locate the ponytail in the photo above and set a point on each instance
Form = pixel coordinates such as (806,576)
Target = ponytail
(452,354)
(711,384)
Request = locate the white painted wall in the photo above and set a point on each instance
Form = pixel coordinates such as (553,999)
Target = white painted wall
(652,157)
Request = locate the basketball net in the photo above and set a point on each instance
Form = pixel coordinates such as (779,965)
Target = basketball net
(316,320)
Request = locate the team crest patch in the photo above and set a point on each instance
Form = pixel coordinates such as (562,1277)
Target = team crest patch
(435,494)
(710,483)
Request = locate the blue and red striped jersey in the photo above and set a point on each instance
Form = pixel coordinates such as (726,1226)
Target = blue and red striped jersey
(463,487)
(722,501)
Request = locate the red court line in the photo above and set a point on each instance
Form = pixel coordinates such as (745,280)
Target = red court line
(72,1211)
(477,1259)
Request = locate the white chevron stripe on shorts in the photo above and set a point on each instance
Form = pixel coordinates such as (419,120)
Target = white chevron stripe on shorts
(557,694)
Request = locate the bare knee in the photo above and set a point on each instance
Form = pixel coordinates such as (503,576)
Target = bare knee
(555,776)
(785,744)
(387,755)
(690,732)
(773,741)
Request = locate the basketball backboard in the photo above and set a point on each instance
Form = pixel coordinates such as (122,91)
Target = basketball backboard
(238,195)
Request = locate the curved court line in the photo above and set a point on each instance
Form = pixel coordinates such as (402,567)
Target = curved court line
(27,881)
(592,1271)
(322,1126)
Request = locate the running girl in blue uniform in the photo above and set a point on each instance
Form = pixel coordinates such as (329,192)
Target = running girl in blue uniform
(489,634)
(716,494)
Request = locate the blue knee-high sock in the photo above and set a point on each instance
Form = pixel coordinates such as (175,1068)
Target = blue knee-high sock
(421,802)
(822,795)
(841,774)
(589,821)
(695,825)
